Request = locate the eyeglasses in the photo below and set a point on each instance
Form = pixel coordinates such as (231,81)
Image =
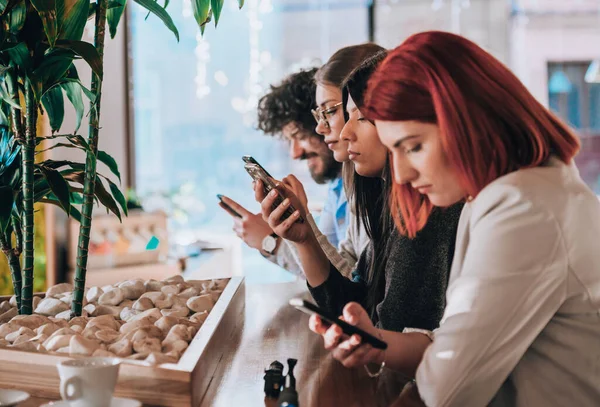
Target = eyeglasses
(321,114)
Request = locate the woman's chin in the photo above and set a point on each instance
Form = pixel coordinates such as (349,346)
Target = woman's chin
(365,171)
(441,200)
(340,156)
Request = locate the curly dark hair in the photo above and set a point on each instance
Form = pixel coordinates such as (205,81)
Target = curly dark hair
(290,101)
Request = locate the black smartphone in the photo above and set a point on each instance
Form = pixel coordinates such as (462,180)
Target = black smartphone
(228,208)
(248,159)
(327,317)
(257,172)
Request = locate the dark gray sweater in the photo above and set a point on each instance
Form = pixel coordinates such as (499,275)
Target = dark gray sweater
(416,277)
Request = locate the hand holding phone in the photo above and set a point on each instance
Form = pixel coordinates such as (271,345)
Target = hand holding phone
(228,207)
(347,329)
(257,172)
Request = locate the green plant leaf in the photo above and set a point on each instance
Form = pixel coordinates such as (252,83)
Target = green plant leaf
(86,51)
(52,200)
(165,7)
(19,54)
(205,23)
(3,117)
(3,4)
(76,197)
(64,163)
(105,198)
(75,214)
(74,176)
(113,16)
(54,104)
(16,17)
(241,3)
(73,20)
(47,12)
(201,8)
(75,139)
(53,68)
(88,93)
(6,205)
(40,190)
(78,177)
(110,162)
(9,154)
(157,10)
(58,145)
(73,92)
(6,97)
(59,186)
(118,195)
(216,6)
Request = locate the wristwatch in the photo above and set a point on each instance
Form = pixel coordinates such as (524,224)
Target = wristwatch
(269,243)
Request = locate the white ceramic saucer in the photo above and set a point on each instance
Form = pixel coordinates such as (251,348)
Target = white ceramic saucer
(116,402)
(10,397)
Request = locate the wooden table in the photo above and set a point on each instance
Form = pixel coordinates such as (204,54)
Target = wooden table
(272,330)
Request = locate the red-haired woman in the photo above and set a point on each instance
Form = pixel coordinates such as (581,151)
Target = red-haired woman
(522,320)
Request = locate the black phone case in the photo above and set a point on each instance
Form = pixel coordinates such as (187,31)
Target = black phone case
(348,329)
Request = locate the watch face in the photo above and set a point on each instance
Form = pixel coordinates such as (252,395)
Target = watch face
(269,244)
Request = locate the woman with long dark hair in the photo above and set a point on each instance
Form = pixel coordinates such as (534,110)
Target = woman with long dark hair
(522,321)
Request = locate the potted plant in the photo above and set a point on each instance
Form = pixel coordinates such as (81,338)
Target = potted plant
(40,40)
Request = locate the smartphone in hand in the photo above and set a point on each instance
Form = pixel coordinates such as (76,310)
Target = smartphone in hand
(228,208)
(328,318)
(257,172)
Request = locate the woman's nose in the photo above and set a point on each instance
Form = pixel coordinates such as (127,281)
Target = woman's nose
(347,133)
(322,129)
(404,173)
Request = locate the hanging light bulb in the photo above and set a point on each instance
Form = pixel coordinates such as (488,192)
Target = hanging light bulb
(592,74)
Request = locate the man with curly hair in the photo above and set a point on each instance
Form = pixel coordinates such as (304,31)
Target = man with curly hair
(286,111)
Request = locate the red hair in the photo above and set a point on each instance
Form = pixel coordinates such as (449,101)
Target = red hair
(490,125)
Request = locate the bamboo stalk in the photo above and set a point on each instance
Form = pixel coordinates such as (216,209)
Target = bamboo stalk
(13,254)
(16,225)
(90,167)
(17,122)
(28,151)
(13,263)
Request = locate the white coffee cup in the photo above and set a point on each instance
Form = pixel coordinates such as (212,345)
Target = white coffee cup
(88,382)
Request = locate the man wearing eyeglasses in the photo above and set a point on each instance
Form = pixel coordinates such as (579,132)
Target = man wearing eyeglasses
(287,110)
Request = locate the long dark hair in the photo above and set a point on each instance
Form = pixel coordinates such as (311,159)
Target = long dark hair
(370,194)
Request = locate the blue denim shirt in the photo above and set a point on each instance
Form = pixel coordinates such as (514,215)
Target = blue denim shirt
(335,217)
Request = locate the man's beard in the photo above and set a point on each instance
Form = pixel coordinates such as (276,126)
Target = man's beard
(331,168)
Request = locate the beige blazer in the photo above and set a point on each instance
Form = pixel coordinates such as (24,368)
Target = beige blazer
(522,323)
